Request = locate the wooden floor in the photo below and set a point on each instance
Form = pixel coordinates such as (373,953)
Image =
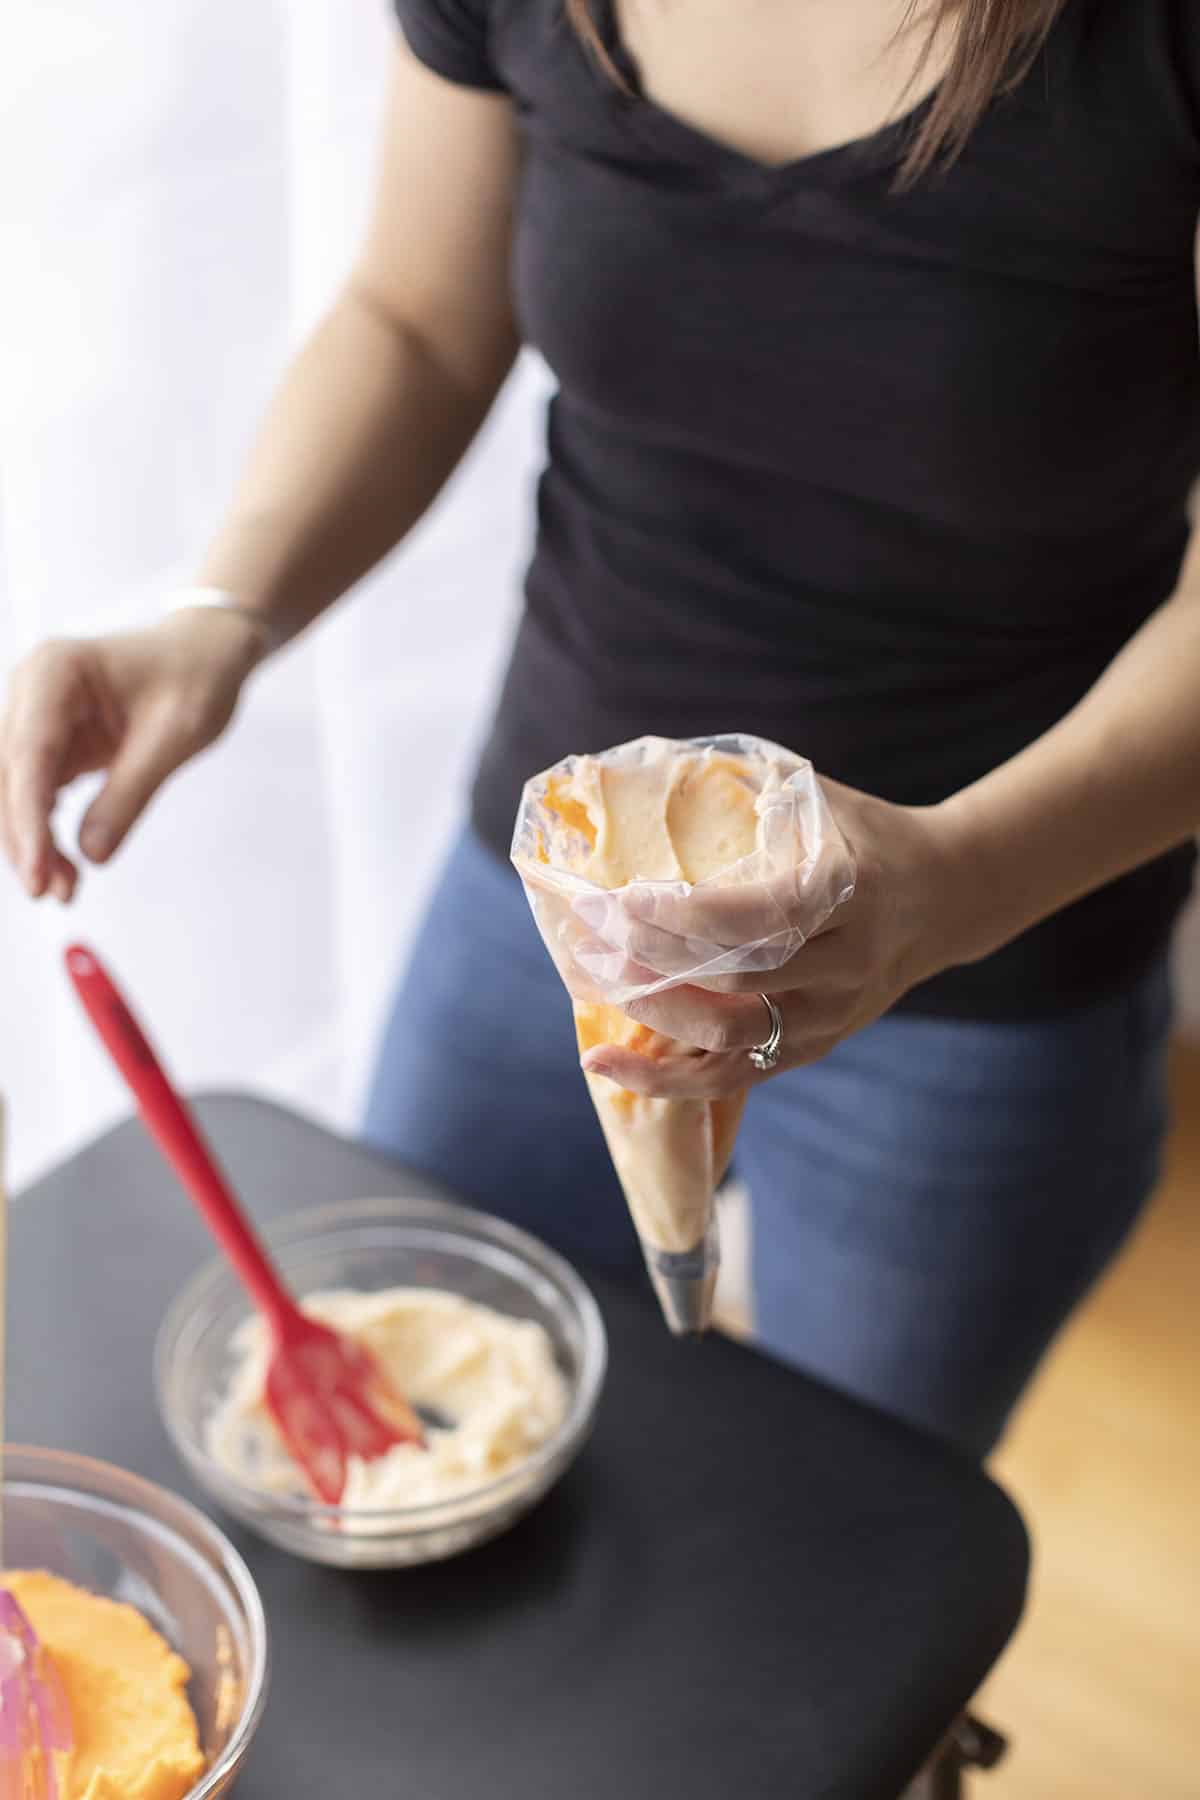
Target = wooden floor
(1101,1689)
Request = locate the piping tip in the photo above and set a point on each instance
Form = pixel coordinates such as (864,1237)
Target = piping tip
(685,1283)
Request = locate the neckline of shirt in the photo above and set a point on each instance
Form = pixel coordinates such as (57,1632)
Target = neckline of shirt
(671,134)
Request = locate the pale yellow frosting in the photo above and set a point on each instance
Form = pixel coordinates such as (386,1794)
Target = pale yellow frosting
(493,1378)
(683,815)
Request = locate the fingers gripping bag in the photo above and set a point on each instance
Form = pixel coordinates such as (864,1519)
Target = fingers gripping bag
(655,864)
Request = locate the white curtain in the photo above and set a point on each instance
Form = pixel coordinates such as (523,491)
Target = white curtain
(182,185)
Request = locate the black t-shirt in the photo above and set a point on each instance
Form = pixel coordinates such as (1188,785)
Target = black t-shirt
(887,477)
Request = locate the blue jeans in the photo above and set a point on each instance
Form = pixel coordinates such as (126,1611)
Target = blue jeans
(928,1203)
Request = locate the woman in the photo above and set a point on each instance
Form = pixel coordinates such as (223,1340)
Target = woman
(877,417)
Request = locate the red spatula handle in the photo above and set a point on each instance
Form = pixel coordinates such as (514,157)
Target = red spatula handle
(178,1137)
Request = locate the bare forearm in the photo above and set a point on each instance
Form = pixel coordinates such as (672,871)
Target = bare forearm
(1114,784)
(364,430)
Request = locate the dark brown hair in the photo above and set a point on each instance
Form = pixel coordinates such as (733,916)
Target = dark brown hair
(995,44)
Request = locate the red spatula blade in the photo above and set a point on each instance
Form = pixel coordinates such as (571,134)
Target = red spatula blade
(306,1429)
(331,1401)
(35,1720)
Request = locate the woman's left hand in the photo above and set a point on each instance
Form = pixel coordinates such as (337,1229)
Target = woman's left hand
(899,927)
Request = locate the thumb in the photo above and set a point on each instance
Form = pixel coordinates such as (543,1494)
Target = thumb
(137,772)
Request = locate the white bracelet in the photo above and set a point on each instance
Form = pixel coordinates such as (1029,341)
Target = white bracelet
(184,599)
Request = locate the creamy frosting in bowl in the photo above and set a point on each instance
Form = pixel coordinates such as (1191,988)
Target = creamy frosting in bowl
(487,1386)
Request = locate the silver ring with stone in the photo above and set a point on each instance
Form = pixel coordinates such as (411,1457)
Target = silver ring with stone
(765,1056)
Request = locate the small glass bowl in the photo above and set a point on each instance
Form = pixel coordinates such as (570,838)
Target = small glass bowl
(125,1538)
(370,1245)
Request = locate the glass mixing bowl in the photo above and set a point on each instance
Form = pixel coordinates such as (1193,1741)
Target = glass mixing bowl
(125,1538)
(370,1245)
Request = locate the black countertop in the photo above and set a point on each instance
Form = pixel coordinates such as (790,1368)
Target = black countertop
(746,1587)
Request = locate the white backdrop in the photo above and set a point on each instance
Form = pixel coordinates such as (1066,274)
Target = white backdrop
(181,186)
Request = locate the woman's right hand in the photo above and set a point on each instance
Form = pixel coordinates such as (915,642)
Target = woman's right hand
(137,705)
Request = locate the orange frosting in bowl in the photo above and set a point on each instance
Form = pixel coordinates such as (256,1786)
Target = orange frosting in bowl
(135,1735)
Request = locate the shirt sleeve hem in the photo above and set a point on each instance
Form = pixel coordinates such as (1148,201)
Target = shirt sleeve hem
(462,69)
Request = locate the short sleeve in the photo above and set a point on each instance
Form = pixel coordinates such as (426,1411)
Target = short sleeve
(1184,31)
(452,38)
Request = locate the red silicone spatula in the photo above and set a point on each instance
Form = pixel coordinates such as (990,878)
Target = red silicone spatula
(328,1396)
